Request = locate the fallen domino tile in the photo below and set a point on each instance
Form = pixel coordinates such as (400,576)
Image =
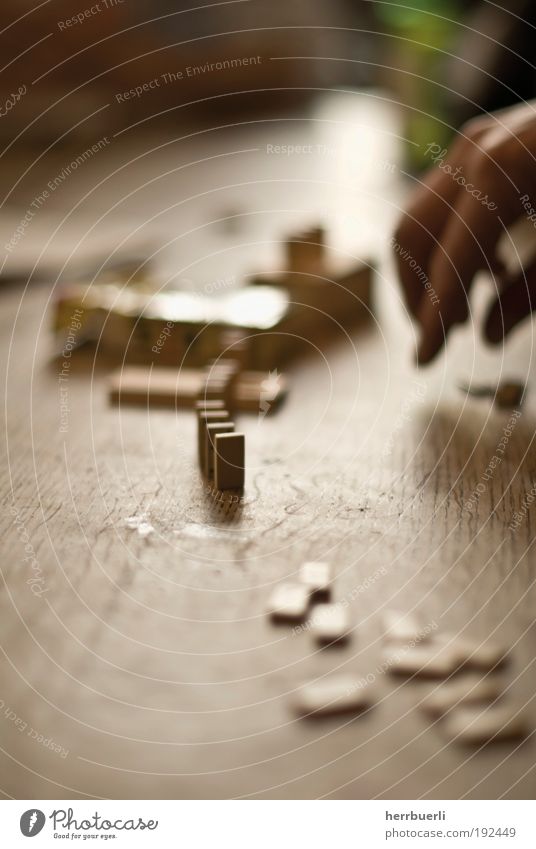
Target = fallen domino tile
(211,429)
(432,660)
(289,602)
(476,725)
(229,461)
(317,577)
(334,695)
(467,690)
(401,627)
(329,623)
(205,417)
(166,387)
(145,386)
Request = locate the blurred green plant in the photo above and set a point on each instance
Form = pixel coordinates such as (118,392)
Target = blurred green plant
(422,32)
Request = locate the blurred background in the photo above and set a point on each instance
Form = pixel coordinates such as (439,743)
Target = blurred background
(116,73)
(442,60)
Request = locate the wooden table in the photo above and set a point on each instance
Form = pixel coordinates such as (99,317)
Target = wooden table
(145,667)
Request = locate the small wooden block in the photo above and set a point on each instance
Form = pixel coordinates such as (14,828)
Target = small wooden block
(509,394)
(222,376)
(329,623)
(467,690)
(224,366)
(482,656)
(229,461)
(211,430)
(204,418)
(477,725)
(167,387)
(205,406)
(154,387)
(401,627)
(289,602)
(317,577)
(231,382)
(213,390)
(433,660)
(305,251)
(334,695)
(236,344)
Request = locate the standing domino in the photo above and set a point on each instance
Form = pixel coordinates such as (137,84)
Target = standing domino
(204,418)
(229,461)
(211,431)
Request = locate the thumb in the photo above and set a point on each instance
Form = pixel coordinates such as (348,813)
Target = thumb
(516,300)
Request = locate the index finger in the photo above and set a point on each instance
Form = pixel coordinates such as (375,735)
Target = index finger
(469,239)
(416,236)
(426,215)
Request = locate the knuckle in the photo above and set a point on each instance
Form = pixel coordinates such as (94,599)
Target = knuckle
(486,163)
(492,149)
(476,127)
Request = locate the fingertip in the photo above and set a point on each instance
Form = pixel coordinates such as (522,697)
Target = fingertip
(432,333)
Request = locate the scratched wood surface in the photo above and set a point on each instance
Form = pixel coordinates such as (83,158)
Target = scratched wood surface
(145,666)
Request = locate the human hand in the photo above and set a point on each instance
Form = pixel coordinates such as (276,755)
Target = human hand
(452,225)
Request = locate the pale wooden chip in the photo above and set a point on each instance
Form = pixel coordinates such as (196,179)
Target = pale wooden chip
(333,695)
(478,725)
(484,656)
(432,660)
(316,576)
(289,602)
(329,623)
(402,627)
(465,690)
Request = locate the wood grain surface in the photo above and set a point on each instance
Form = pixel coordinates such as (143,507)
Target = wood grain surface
(145,667)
